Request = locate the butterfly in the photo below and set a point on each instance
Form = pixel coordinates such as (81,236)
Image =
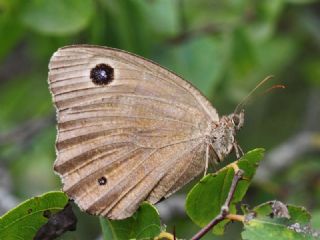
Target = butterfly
(130,130)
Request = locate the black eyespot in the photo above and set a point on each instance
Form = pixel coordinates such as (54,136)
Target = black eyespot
(102,74)
(102,181)
(236,120)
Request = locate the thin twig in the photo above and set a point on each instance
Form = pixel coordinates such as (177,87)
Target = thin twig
(224,209)
(235,217)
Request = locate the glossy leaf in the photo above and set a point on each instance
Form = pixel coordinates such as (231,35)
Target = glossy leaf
(144,224)
(205,199)
(23,221)
(270,230)
(296,213)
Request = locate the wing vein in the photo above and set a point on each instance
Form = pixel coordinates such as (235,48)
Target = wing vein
(136,117)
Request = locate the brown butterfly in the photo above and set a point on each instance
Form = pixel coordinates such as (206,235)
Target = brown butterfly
(129,130)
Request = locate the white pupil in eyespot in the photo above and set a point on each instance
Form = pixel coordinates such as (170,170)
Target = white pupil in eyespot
(103,73)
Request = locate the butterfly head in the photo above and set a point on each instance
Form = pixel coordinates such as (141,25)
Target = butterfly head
(223,134)
(237,119)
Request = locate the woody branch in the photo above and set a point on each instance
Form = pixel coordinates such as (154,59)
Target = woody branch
(224,209)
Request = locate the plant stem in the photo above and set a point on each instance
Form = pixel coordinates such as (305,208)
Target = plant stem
(235,217)
(224,212)
(165,235)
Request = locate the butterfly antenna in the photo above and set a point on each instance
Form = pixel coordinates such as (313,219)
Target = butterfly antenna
(277,86)
(246,98)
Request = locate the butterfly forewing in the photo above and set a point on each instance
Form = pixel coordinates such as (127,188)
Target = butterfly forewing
(139,136)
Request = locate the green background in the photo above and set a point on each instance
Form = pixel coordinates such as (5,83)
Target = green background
(225,48)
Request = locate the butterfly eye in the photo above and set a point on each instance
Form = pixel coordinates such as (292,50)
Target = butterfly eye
(102,74)
(235,120)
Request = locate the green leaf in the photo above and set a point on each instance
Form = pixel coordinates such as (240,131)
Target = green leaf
(297,226)
(144,224)
(297,213)
(262,229)
(127,25)
(201,61)
(205,199)
(23,221)
(58,17)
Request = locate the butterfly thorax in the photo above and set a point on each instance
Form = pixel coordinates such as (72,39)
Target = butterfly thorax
(222,135)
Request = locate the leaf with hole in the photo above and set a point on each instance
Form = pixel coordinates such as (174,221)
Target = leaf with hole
(23,221)
(263,222)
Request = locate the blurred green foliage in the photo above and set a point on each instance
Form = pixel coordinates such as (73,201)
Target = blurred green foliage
(223,47)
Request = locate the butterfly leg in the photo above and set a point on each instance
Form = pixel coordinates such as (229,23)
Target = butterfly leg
(238,150)
(242,153)
(235,147)
(207,160)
